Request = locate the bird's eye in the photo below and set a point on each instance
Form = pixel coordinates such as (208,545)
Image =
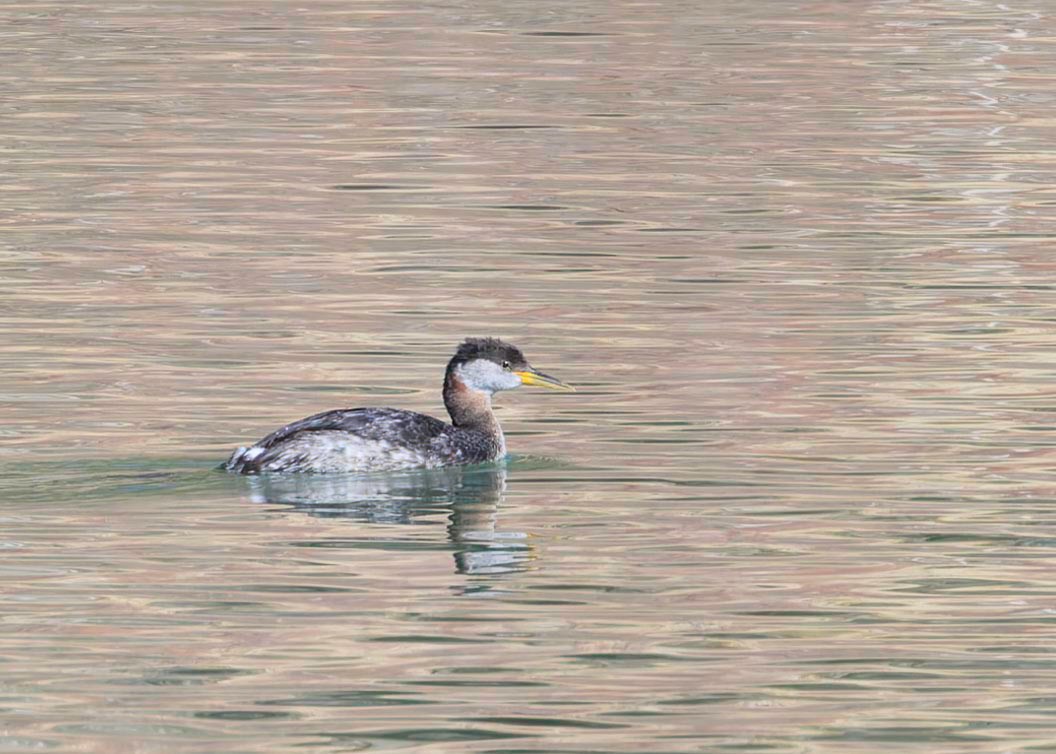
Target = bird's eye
(506,365)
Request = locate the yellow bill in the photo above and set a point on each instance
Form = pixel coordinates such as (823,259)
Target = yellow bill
(532,377)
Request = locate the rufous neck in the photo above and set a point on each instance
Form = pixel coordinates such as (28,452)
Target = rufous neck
(469,408)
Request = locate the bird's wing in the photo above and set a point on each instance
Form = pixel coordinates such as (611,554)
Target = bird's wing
(406,427)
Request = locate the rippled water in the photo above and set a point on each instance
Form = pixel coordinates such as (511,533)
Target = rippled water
(797,258)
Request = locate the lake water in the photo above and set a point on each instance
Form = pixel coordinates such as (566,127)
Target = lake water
(797,257)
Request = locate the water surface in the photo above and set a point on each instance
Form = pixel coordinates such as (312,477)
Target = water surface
(796,257)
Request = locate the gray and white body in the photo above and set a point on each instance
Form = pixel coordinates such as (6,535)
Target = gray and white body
(386,439)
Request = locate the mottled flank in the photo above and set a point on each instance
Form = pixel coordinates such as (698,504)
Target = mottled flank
(366,439)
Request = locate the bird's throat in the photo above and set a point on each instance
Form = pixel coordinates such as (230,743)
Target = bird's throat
(469,409)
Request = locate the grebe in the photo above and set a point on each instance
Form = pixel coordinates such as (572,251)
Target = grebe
(386,439)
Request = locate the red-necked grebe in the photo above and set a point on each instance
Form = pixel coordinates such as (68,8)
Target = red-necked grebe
(386,439)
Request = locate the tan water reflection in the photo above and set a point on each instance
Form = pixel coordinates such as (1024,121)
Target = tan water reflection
(796,255)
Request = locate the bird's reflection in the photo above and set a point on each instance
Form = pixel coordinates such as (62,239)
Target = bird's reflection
(468,496)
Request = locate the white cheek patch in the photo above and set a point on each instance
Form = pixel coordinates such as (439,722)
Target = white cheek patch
(511,382)
(486,376)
